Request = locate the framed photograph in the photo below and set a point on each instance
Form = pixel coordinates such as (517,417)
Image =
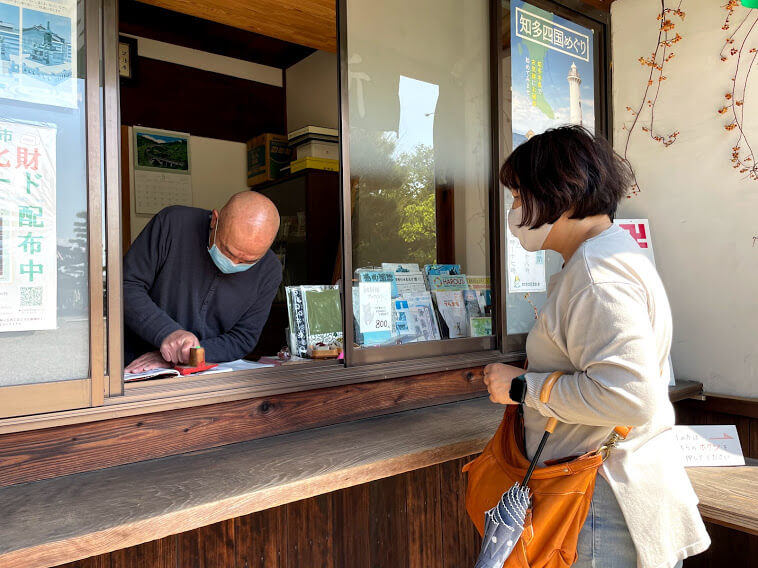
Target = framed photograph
(127,59)
(161,151)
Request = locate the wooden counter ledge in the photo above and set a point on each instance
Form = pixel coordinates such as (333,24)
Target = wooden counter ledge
(59,520)
(54,521)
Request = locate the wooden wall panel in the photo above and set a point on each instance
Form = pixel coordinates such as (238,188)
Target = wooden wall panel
(716,410)
(207,547)
(155,554)
(103,561)
(460,540)
(388,522)
(261,539)
(422,489)
(309,533)
(351,527)
(175,97)
(396,522)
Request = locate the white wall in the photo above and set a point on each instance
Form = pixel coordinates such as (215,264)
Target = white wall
(219,170)
(312,92)
(703,215)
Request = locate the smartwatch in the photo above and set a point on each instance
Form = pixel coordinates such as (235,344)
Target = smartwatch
(518,389)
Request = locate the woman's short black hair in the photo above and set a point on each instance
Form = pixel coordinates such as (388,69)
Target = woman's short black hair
(565,169)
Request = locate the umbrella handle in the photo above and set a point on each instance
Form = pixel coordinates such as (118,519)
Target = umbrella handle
(547,387)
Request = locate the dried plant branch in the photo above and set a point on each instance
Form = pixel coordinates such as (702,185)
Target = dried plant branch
(743,159)
(659,58)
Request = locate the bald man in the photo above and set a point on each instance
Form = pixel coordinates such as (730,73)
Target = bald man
(198,277)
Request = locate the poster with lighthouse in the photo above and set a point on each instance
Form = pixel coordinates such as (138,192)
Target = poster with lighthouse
(552,72)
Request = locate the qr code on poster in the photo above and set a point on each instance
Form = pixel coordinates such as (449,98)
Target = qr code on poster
(31,296)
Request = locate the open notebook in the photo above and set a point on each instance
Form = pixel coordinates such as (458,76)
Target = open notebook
(238,365)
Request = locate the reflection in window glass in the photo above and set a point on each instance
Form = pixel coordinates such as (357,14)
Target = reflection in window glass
(548,74)
(44,327)
(418,93)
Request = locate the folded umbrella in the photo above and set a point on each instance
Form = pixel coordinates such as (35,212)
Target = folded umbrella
(504,523)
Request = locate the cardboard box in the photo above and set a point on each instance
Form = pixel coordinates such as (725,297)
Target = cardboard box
(267,154)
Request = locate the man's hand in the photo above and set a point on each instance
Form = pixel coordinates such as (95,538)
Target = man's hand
(152,360)
(177,345)
(498,377)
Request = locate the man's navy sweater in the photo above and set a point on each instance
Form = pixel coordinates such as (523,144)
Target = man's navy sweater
(171,283)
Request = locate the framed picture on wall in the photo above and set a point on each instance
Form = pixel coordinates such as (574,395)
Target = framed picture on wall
(161,151)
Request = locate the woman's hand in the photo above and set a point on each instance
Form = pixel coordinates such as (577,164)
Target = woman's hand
(498,377)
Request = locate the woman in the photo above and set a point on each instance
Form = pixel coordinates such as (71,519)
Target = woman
(606,325)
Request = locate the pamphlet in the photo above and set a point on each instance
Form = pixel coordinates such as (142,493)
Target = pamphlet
(409,283)
(415,319)
(453,311)
(478,282)
(447,282)
(371,275)
(323,314)
(298,326)
(375,303)
(449,269)
(471,301)
(480,326)
(394,267)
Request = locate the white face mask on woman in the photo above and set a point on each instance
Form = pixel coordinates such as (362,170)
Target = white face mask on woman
(531,239)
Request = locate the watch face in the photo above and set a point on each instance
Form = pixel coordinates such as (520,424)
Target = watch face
(124,60)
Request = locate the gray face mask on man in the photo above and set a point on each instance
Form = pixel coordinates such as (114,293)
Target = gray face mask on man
(531,239)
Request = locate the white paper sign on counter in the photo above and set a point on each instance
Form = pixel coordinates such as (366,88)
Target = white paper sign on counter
(709,445)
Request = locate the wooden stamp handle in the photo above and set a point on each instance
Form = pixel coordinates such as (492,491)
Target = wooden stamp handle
(197,357)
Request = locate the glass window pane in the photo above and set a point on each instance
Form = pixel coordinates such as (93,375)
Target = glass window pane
(419,169)
(44,327)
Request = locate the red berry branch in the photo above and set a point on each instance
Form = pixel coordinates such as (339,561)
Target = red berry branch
(658,59)
(743,157)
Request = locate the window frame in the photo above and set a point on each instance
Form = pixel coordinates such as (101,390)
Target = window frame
(106,396)
(89,391)
(581,13)
(490,344)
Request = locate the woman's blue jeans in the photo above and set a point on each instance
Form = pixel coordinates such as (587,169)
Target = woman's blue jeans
(604,541)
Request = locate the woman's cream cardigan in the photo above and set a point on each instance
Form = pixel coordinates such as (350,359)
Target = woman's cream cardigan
(607,325)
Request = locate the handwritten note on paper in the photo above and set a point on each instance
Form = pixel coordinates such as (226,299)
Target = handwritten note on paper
(709,445)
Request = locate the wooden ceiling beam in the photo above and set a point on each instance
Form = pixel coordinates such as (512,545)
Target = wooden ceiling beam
(311,23)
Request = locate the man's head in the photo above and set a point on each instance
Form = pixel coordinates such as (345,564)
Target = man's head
(245,227)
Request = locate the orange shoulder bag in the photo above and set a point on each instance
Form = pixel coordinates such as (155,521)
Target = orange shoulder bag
(561,491)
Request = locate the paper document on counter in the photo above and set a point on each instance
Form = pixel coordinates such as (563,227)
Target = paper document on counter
(165,373)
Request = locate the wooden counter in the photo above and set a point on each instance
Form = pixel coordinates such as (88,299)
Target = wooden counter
(728,495)
(60,520)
